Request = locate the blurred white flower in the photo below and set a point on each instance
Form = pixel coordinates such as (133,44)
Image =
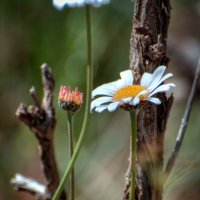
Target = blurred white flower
(129,96)
(60,4)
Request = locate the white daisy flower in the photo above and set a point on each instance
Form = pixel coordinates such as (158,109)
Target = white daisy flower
(129,96)
(60,4)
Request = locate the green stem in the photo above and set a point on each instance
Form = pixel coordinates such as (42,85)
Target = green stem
(87,106)
(71,150)
(133,153)
(89,52)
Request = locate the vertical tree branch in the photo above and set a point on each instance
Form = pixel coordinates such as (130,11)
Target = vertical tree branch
(148,46)
(40,118)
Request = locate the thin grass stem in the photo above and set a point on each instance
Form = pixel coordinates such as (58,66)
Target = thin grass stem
(87,106)
(71,150)
(133,153)
(183,125)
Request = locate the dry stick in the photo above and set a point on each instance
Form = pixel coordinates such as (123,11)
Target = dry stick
(183,126)
(40,118)
(31,186)
(35,97)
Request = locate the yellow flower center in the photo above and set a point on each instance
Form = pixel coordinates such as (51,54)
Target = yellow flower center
(130,91)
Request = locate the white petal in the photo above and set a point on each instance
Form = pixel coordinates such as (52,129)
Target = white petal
(142,93)
(101,100)
(114,83)
(157,75)
(106,89)
(101,108)
(59,4)
(169,92)
(113,106)
(127,77)
(135,101)
(154,100)
(78,3)
(160,70)
(162,88)
(98,3)
(119,84)
(157,83)
(146,79)
(127,100)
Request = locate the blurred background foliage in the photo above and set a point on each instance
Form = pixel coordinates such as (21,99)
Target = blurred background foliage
(33,32)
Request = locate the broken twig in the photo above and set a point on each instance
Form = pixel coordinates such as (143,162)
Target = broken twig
(40,118)
(23,183)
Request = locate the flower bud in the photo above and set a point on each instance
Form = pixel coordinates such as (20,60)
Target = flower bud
(69,100)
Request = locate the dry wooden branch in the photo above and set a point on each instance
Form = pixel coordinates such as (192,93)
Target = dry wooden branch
(31,186)
(183,125)
(40,118)
(148,46)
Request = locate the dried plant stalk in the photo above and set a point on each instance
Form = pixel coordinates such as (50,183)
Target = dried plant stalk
(40,118)
(183,125)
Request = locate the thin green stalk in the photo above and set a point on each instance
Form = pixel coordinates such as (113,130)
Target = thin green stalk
(133,153)
(87,106)
(89,51)
(71,150)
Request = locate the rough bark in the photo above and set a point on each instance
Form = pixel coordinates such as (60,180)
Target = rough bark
(148,46)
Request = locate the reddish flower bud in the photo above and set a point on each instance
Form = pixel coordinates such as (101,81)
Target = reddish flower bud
(69,100)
